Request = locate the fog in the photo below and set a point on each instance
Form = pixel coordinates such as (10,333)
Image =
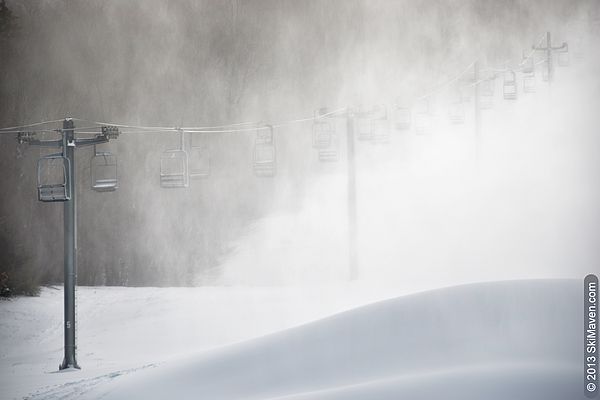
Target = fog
(433,209)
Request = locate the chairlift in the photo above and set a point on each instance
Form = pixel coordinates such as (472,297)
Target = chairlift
(486,94)
(563,58)
(578,49)
(380,126)
(264,160)
(323,132)
(330,153)
(457,113)
(402,118)
(199,161)
(53,172)
(529,84)
(364,128)
(422,123)
(528,65)
(510,86)
(466,93)
(423,117)
(103,167)
(174,167)
(545,76)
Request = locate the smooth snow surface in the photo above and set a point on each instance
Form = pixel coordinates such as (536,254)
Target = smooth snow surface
(122,330)
(504,340)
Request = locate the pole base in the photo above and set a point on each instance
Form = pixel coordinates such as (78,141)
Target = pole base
(68,365)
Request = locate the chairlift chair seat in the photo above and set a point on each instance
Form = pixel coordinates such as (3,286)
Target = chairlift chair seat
(364,129)
(402,119)
(199,163)
(52,178)
(510,91)
(328,155)
(174,169)
(323,132)
(457,114)
(509,88)
(264,160)
(380,131)
(422,123)
(563,59)
(529,84)
(103,168)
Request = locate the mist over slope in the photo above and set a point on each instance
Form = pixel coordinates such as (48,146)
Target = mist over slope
(520,337)
(186,63)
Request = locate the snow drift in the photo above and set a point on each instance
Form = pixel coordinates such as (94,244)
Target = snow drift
(513,339)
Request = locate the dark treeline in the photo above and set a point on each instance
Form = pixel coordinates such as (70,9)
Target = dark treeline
(190,63)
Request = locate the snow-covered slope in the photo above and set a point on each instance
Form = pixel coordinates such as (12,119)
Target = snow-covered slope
(513,339)
(121,330)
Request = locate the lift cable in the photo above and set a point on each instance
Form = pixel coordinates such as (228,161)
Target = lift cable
(252,126)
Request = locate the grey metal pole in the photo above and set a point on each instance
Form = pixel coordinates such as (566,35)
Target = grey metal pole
(477,111)
(549,57)
(352,226)
(70,249)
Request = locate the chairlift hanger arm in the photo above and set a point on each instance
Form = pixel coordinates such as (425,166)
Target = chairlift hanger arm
(564,46)
(44,143)
(82,142)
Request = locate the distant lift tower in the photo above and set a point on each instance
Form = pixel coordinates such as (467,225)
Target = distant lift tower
(56,182)
(564,48)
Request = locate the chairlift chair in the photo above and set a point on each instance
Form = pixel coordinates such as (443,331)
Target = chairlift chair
(381,131)
(323,132)
(364,128)
(545,75)
(53,172)
(423,117)
(330,153)
(457,113)
(103,167)
(563,58)
(529,84)
(578,49)
(466,94)
(422,123)
(199,161)
(174,167)
(264,161)
(486,92)
(402,118)
(510,86)
(380,125)
(528,65)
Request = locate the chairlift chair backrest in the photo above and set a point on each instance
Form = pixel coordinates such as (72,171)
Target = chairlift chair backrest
(323,131)
(457,113)
(422,123)
(529,84)
(528,66)
(199,157)
(174,169)
(264,156)
(174,166)
(53,174)
(380,128)
(331,153)
(563,58)
(103,167)
(402,118)
(510,85)
(486,87)
(364,128)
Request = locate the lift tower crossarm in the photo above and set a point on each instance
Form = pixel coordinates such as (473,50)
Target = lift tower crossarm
(549,49)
